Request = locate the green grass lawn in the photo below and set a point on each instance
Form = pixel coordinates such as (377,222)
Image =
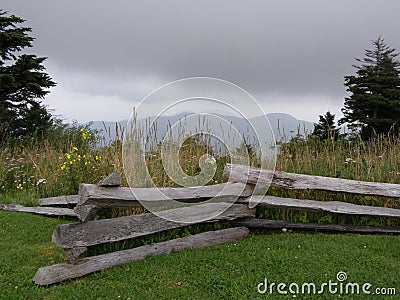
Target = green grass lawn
(230,271)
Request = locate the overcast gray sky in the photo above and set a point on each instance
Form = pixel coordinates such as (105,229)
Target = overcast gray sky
(290,55)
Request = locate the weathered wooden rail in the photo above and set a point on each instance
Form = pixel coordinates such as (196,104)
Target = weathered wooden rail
(69,200)
(47,211)
(75,238)
(326,206)
(245,174)
(56,273)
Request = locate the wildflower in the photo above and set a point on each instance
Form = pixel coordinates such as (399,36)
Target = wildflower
(68,156)
(41,181)
(63,167)
(74,149)
(19,186)
(349,160)
(85,134)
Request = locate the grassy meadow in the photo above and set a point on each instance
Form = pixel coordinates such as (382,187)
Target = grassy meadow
(56,165)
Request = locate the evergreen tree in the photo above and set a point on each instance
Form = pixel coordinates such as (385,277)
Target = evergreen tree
(23,83)
(325,128)
(374,102)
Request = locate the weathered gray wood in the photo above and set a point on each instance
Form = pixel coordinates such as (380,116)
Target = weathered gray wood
(276,224)
(114,179)
(74,253)
(117,229)
(239,173)
(86,212)
(57,273)
(120,196)
(59,200)
(328,206)
(47,211)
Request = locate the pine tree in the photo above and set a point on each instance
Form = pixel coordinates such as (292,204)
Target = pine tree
(374,102)
(23,83)
(325,128)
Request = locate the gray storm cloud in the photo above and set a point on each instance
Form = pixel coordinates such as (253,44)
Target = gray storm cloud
(289,50)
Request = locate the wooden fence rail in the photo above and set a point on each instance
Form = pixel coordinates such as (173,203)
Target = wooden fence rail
(327,206)
(60,272)
(71,200)
(245,174)
(46,211)
(74,238)
(91,194)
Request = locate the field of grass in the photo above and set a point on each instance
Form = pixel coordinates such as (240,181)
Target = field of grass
(54,167)
(232,271)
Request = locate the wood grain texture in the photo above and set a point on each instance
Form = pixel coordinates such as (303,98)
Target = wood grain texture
(86,212)
(328,206)
(74,253)
(60,272)
(127,197)
(59,200)
(284,225)
(245,174)
(114,179)
(117,229)
(47,211)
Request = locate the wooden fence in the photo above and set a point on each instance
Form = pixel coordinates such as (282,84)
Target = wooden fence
(76,238)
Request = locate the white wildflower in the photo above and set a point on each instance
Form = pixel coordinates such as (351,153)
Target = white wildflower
(41,181)
(349,160)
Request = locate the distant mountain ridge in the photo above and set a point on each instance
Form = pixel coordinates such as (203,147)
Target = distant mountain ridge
(283,125)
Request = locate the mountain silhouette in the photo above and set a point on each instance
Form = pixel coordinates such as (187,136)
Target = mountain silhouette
(284,126)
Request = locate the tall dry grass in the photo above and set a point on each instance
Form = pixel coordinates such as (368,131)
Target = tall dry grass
(56,167)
